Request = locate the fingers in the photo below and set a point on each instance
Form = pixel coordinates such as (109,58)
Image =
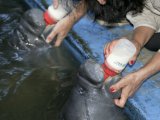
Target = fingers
(58,41)
(119,85)
(122,84)
(132,61)
(55,36)
(109,47)
(102,2)
(51,36)
(134,58)
(55,4)
(122,101)
(127,90)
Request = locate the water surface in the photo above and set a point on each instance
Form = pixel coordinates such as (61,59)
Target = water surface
(33,84)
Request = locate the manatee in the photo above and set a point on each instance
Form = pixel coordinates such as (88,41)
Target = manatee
(89,100)
(29,31)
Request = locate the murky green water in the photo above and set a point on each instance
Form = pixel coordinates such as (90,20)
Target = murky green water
(33,84)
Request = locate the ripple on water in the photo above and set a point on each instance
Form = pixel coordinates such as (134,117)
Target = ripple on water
(33,84)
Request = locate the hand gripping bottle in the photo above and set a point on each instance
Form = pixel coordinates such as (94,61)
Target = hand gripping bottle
(117,61)
(52,16)
(35,25)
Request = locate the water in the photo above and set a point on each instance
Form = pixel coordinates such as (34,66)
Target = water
(33,84)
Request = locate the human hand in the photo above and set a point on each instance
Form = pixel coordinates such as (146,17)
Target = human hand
(102,2)
(55,3)
(128,84)
(109,47)
(60,31)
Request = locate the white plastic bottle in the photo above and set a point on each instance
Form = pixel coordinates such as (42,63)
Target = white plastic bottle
(119,58)
(121,54)
(52,15)
(116,62)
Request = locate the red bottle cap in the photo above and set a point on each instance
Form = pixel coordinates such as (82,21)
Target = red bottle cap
(108,72)
(48,19)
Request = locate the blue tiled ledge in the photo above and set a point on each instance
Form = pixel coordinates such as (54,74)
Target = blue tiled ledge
(87,39)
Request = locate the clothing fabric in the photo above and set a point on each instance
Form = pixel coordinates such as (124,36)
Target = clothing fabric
(154,43)
(150,17)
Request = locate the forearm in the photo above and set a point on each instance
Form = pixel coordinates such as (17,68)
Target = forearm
(78,11)
(141,36)
(152,67)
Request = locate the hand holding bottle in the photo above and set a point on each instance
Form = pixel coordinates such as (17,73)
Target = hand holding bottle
(128,86)
(63,26)
(110,47)
(60,31)
(117,54)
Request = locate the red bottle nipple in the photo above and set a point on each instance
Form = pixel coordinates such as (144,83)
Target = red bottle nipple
(108,72)
(48,19)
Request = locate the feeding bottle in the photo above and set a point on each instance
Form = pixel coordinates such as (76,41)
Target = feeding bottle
(52,15)
(35,24)
(117,60)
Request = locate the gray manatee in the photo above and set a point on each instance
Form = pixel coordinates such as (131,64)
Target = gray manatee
(28,33)
(89,100)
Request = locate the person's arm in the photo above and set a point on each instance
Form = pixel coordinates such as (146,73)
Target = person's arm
(143,28)
(62,28)
(152,67)
(141,36)
(133,81)
(79,11)
(130,83)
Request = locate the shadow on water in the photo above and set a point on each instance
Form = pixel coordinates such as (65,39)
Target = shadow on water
(33,84)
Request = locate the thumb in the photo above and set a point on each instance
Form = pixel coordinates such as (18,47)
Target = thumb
(108,47)
(117,86)
(132,60)
(51,36)
(58,41)
(55,4)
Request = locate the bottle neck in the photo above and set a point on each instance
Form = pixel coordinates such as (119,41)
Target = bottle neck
(48,20)
(108,72)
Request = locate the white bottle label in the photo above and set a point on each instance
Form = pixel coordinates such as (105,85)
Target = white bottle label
(121,54)
(117,62)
